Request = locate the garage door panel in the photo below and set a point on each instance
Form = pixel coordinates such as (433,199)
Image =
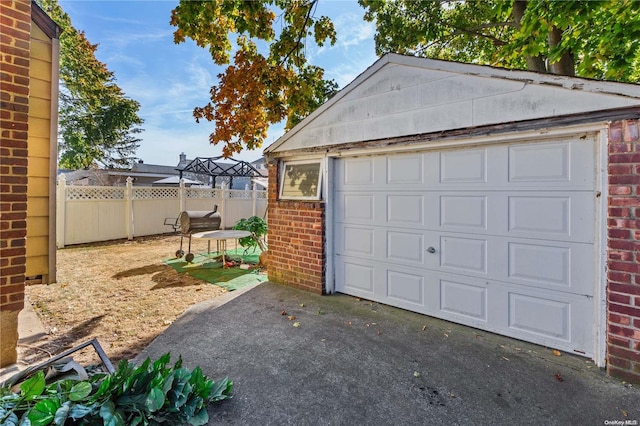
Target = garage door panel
(556,319)
(538,214)
(466,255)
(407,169)
(357,241)
(463,166)
(463,212)
(405,247)
(534,314)
(564,267)
(405,287)
(568,162)
(540,263)
(357,277)
(358,171)
(405,210)
(463,299)
(540,162)
(557,216)
(358,207)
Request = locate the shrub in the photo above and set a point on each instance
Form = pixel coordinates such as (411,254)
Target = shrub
(153,393)
(258,228)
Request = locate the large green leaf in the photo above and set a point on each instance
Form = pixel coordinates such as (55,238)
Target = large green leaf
(43,413)
(193,404)
(168,383)
(132,402)
(181,388)
(155,400)
(161,362)
(62,414)
(110,415)
(79,411)
(221,390)
(80,391)
(33,387)
(201,418)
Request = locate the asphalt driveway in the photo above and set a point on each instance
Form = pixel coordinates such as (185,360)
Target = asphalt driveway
(347,361)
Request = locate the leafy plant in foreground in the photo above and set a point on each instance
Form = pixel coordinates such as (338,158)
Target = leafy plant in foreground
(153,393)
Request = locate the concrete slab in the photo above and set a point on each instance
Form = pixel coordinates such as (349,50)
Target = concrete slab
(348,361)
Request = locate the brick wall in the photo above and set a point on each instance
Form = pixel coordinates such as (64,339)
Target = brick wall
(296,240)
(623,244)
(15,29)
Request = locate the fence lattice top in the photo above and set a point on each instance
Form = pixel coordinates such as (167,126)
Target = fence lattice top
(154,193)
(202,192)
(157,193)
(95,193)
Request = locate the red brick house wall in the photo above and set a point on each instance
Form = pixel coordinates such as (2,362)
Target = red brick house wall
(623,244)
(296,240)
(15,32)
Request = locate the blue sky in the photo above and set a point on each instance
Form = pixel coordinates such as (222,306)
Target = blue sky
(169,80)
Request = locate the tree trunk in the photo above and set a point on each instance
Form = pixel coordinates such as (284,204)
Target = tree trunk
(565,65)
(534,63)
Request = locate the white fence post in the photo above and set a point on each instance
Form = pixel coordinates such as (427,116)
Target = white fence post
(182,195)
(61,198)
(254,199)
(223,201)
(128,195)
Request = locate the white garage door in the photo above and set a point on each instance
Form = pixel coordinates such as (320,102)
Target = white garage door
(499,237)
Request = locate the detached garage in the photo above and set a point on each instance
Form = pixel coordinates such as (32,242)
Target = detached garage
(503,200)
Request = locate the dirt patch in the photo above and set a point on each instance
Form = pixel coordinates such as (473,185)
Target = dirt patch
(119,292)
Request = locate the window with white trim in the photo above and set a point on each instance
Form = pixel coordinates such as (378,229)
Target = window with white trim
(301,180)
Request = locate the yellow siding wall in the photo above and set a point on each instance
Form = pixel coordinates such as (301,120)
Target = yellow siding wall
(39,156)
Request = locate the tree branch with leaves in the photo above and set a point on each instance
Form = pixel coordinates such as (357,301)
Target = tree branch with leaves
(593,39)
(259,87)
(98,123)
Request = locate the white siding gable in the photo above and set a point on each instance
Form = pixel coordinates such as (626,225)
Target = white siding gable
(402,96)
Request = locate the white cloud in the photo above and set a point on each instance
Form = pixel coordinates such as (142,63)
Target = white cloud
(352,30)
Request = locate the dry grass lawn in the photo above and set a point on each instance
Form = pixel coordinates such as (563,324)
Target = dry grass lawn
(118,292)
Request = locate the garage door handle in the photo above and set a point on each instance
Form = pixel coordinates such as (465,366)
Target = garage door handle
(431,250)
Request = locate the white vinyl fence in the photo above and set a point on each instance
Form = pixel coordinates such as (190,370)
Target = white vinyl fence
(100,213)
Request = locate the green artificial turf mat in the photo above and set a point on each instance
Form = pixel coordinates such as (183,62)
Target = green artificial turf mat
(209,268)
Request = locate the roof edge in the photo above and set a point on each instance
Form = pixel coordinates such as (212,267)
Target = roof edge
(342,93)
(44,21)
(536,124)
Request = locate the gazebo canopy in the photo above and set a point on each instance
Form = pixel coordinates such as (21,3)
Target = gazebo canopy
(175,180)
(211,166)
